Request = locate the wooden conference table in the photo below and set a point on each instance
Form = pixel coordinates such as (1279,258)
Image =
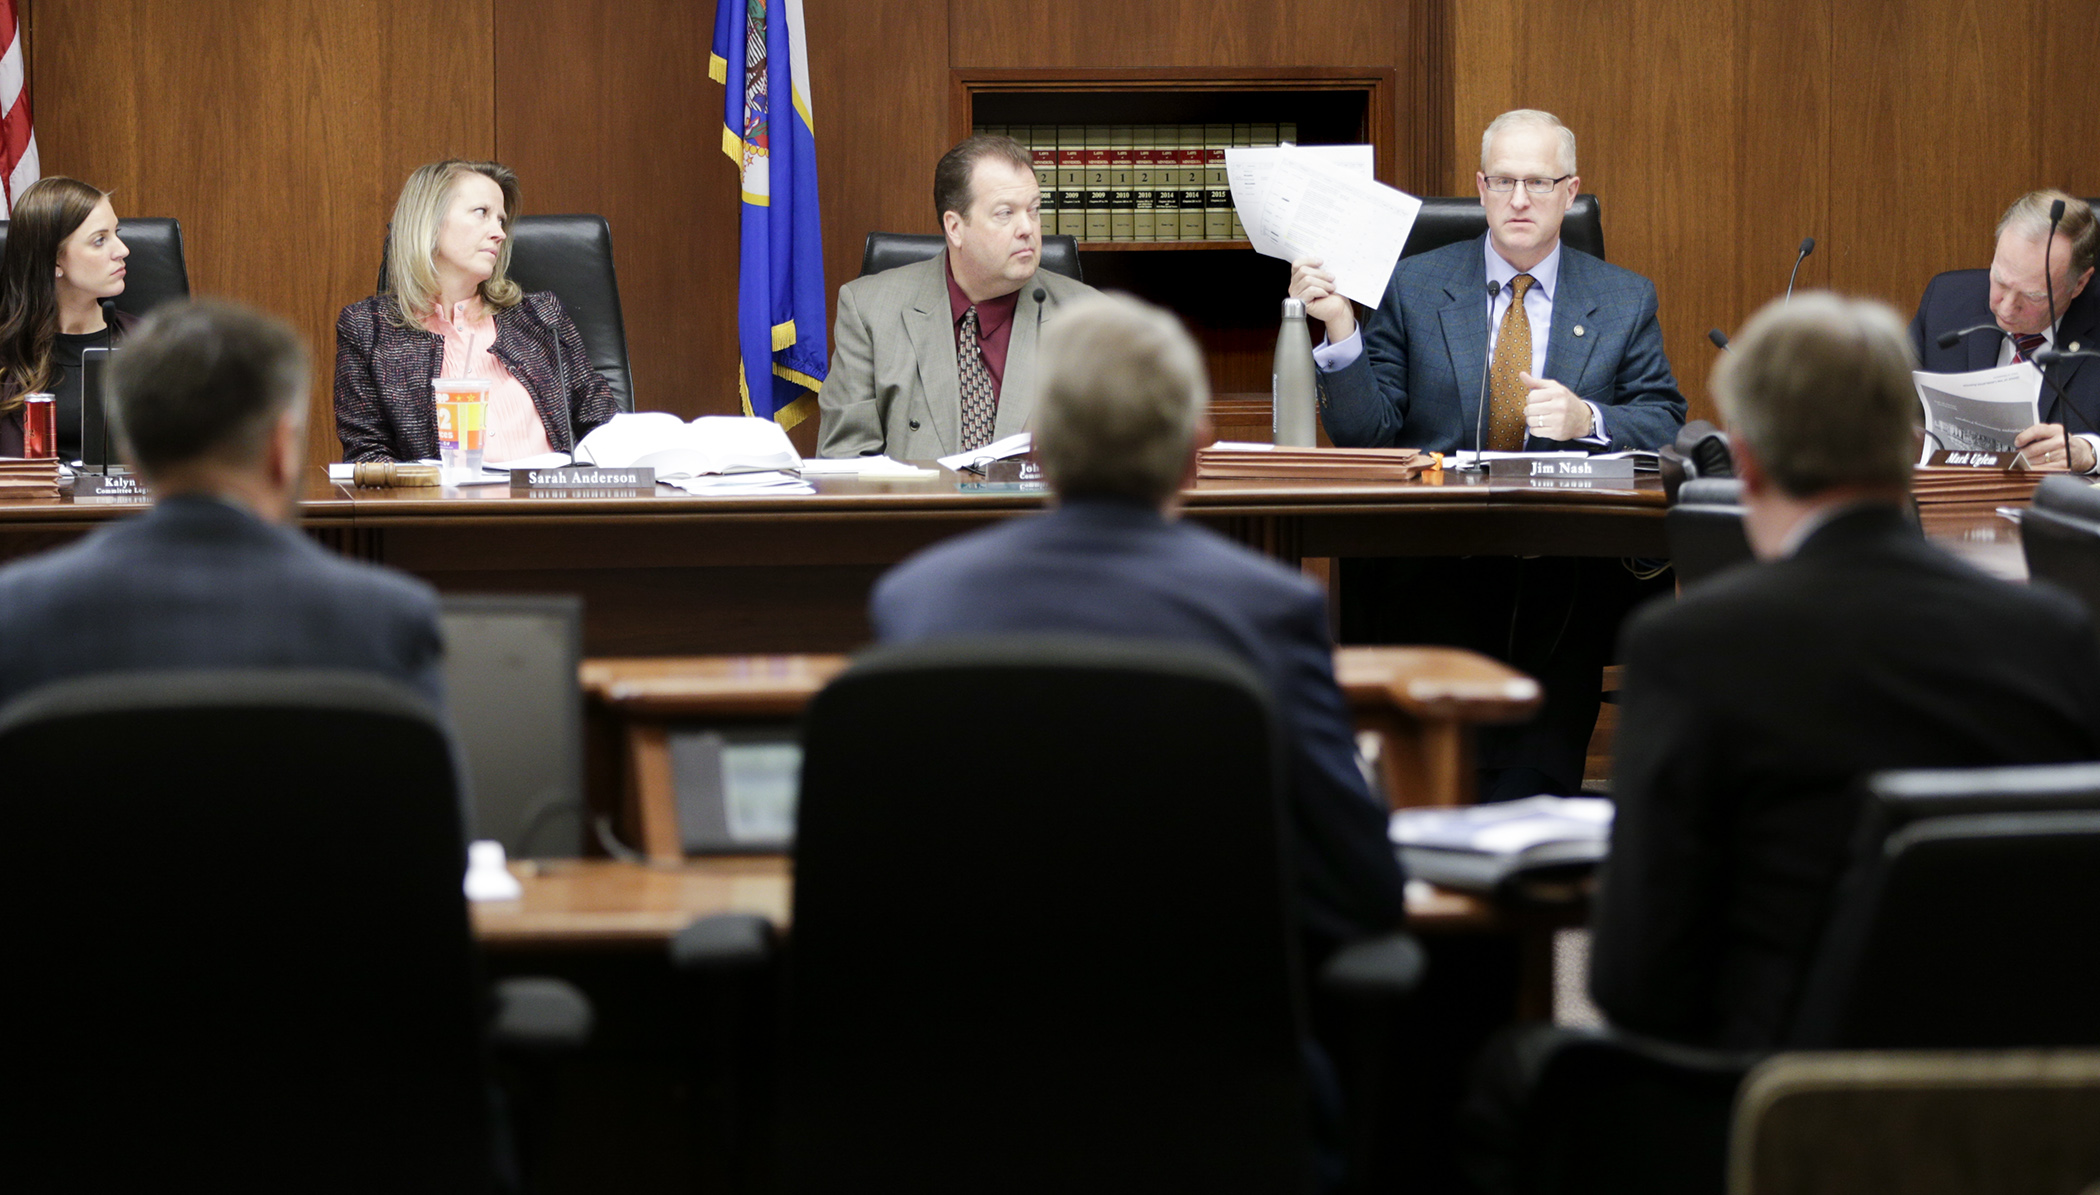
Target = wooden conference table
(672,574)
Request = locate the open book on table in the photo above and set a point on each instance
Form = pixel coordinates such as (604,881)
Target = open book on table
(711,444)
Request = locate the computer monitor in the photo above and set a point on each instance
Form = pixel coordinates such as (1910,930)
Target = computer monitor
(517,708)
(736,786)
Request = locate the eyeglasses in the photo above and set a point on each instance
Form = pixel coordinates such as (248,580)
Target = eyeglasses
(1502,185)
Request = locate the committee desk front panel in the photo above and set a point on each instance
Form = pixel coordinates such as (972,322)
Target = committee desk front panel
(672,574)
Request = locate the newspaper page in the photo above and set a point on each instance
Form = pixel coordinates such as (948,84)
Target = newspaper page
(1980,411)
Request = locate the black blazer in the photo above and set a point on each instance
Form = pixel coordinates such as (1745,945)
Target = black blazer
(1961,299)
(1749,709)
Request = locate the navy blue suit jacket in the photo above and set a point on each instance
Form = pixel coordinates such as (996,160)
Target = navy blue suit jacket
(1111,567)
(1417,382)
(1961,299)
(1751,707)
(199,583)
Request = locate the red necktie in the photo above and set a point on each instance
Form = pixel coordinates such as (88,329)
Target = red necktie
(2024,345)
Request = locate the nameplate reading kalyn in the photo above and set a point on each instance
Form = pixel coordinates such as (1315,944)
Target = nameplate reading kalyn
(2010,462)
(1519,468)
(110,485)
(564,480)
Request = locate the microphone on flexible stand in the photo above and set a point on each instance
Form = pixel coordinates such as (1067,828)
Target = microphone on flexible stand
(1808,246)
(2056,216)
(1479,462)
(1947,340)
(1720,341)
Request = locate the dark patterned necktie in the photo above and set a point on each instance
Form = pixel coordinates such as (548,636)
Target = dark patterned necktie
(2024,344)
(980,403)
(1507,395)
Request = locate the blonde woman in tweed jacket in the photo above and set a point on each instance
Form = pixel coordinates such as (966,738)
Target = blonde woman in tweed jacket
(451,311)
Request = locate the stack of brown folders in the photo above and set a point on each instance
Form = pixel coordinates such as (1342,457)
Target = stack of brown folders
(1337,464)
(28,479)
(1947,484)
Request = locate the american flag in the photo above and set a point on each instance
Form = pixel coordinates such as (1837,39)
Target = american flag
(18,164)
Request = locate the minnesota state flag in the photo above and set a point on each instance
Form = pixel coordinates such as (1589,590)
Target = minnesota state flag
(761,58)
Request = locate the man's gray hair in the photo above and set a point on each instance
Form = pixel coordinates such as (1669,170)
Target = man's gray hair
(205,380)
(1820,389)
(1123,389)
(2030,215)
(1530,118)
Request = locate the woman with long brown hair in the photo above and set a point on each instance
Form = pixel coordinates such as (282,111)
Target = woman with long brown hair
(63,260)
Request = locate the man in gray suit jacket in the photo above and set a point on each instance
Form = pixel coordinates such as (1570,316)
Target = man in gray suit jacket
(938,357)
(210,405)
(1566,353)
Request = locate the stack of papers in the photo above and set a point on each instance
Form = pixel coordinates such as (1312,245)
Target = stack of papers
(873,467)
(722,485)
(1227,459)
(1485,848)
(997,450)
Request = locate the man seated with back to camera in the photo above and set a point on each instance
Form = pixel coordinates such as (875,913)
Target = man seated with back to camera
(1564,354)
(1121,402)
(1754,705)
(209,403)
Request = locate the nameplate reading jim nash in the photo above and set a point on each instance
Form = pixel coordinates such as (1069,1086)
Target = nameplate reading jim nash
(560,481)
(1519,468)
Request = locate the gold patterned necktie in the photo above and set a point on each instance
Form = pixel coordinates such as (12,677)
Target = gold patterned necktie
(1507,395)
(980,403)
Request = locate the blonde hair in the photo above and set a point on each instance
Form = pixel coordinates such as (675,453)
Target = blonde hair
(411,255)
(1530,118)
(1820,389)
(1123,389)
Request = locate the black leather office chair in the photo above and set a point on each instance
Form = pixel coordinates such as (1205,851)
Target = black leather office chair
(572,256)
(239,897)
(2060,536)
(155,273)
(1704,527)
(1447,220)
(1043,935)
(1963,921)
(887,250)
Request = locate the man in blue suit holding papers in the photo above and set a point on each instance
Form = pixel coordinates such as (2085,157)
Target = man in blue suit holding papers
(1597,378)
(1565,352)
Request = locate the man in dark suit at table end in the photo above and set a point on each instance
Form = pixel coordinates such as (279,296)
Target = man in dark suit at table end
(1566,353)
(2007,306)
(1123,396)
(939,356)
(1753,705)
(209,400)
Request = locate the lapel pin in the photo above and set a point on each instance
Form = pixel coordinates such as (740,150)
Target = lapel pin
(1578,329)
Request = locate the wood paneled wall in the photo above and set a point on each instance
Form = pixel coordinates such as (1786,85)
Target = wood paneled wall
(1718,133)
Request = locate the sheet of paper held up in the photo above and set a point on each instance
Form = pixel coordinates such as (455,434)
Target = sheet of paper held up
(1321,201)
(1980,411)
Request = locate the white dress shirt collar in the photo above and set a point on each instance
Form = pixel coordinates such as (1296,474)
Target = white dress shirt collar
(1545,276)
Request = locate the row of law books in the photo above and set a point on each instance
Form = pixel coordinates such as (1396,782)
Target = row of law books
(1140,182)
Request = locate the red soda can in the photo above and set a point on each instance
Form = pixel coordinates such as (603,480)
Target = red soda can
(40,426)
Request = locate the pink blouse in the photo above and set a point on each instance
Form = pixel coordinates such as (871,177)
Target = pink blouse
(515,429)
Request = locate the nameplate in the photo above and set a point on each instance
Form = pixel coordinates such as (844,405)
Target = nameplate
(1011,476)
(582,483)
(1556,468)
(1969,458)
(109,485)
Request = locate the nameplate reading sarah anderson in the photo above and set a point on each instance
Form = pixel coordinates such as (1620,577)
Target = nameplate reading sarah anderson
(1562,468)
(583,483)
